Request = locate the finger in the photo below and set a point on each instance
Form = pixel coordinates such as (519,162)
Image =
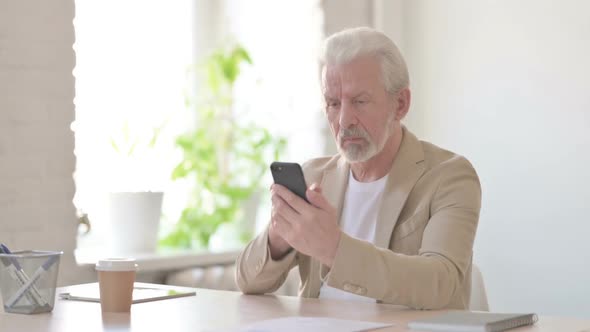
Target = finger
(297,203)
(317,199)
(283,228)
(285,210)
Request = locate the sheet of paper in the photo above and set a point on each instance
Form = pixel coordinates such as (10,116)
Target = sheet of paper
(309,324)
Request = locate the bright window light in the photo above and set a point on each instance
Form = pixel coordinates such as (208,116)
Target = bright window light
(131,65)
(131,60)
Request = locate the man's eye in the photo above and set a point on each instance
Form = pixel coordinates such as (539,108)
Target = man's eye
(333,104)
(360,102)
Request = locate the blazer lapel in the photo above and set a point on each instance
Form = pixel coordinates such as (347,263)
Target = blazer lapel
(334,183)
(407,168)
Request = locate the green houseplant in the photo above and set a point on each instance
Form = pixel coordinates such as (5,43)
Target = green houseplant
(224,158)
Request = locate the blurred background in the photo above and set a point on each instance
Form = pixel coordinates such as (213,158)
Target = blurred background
(157,99)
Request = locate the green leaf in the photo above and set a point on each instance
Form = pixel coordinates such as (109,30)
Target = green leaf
(225,158)
(114,145)
(132,148)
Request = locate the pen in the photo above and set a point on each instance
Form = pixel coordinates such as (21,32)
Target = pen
(30,283)
(14,274)
(23,278)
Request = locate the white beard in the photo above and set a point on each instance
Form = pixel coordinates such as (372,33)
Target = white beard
(361,152)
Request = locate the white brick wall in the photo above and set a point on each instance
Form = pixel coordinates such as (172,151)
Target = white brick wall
(36,143)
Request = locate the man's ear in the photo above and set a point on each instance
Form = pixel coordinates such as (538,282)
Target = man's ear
(403,99)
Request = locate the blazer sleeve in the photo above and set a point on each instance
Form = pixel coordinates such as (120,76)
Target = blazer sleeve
(257,272)
(430,279)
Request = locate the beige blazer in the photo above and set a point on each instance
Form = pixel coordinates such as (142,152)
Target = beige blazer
(423,239)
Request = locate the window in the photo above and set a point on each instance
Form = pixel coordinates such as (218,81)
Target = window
(131,59)
(130,74)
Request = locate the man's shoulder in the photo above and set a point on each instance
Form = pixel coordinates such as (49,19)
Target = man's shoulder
(452,177)
(432,157)
(314,168)
(321,164)
(440,159)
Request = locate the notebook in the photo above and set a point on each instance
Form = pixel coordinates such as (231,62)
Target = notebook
(467,321)
(140,294)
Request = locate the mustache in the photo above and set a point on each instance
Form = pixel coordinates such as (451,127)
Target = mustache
(353,132)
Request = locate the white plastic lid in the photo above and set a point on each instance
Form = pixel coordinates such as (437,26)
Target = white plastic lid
(116,264)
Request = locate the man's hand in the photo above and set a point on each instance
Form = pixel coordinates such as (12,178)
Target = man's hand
(278,246)
(311,229)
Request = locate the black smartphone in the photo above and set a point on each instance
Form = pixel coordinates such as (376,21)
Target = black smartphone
(289,175)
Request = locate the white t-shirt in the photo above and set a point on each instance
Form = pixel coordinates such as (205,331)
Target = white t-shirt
(359,219)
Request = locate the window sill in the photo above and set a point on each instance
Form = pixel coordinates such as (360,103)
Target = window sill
(165,260)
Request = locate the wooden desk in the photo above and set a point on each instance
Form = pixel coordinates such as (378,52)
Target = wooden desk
(212,309)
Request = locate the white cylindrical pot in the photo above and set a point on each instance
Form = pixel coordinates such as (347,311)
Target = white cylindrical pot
(229,236)
(135,219)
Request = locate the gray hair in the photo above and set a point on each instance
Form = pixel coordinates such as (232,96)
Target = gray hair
(347,45)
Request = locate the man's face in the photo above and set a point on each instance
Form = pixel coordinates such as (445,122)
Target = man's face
(360,111)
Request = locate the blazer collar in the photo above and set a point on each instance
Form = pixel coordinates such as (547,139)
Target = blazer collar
(334,183)
(405,171)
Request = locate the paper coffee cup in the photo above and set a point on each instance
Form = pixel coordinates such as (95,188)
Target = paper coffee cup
(115,279)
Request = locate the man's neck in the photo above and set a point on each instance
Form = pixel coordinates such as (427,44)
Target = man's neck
(380,165)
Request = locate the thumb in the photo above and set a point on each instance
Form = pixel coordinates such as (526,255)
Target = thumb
(316,198)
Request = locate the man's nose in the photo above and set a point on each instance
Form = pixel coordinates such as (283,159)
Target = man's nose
(347,116)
